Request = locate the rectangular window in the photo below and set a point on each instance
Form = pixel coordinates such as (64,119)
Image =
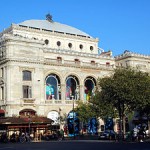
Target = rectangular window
(92,62)
(27,91)
(27,76)
(107,63)
(2,72)
(2,93)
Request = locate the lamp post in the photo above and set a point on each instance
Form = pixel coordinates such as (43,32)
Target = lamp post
(73,115)
(29,119)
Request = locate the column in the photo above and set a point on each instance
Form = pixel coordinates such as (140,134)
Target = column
(63,93)
(81,92)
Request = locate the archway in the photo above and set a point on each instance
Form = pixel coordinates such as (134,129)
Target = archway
(27,112)
(89,88)
(72,88)
(53,87)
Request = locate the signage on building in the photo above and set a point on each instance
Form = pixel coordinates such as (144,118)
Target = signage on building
(54,116)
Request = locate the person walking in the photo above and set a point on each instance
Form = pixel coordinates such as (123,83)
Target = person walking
(60,135)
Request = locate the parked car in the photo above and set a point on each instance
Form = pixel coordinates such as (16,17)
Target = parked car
(108,135)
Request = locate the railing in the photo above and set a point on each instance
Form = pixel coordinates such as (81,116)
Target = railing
(31,101)
(28,101)
(79,64)
(48,102)
(53,101)
(60,101)
(71,101)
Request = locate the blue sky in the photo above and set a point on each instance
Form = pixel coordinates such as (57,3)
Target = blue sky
(119,24)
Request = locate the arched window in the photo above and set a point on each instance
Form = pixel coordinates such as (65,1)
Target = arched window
(53,87)
(72,88)
(89,87)
(27,75)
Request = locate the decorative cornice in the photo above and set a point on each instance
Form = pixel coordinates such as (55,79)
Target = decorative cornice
(12,37)
(73,64)
(54,33)
(131,54)
(75,53)
(26,68)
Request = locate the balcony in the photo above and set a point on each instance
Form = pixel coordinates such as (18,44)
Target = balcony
(71,101)
(78,64)
(53,101)
(28,101)
(57,102)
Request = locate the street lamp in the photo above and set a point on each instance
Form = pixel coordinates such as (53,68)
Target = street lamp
(73,115)
(29,119)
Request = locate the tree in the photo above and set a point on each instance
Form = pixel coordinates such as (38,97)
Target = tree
(126,90)
(84,111)
(95,108)
(101,108)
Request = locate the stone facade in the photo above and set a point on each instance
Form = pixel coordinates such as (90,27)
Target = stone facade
(137,61)
(38,51)
(32,57)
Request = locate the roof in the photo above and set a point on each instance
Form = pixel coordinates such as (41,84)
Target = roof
(25,120)
(53,26)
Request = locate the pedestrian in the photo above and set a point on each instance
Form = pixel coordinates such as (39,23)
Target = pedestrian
(27,136)
(141,134)
(62,133)
(135,134)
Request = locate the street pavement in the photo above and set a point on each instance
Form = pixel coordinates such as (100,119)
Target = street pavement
(76,145)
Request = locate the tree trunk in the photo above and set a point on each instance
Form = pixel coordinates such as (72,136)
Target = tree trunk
(124,126)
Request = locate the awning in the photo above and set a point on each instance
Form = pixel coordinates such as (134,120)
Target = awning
(2,111)
(25,120)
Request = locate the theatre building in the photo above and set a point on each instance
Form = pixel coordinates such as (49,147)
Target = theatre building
(46,66)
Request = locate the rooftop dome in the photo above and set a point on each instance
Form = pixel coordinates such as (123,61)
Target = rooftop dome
(54,26)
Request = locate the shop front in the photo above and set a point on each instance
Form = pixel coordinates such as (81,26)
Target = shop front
(35,125)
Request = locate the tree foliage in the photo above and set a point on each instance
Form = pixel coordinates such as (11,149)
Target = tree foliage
(101,108)
(126,90)
(84,111)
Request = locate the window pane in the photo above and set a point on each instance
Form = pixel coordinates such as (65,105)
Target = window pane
(70,88)
(88,89)
(30,92)
(2,93)
(26,75)
(52,88)
(24,91)
(27,92)
(2,73)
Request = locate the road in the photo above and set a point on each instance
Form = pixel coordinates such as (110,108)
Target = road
(75,145)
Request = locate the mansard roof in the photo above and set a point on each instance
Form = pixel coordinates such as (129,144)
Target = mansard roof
(53,26)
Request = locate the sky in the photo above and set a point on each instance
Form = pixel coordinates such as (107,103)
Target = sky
(118,24)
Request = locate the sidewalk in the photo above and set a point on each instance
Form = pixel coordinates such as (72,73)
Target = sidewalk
(88,138)
(76,139)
